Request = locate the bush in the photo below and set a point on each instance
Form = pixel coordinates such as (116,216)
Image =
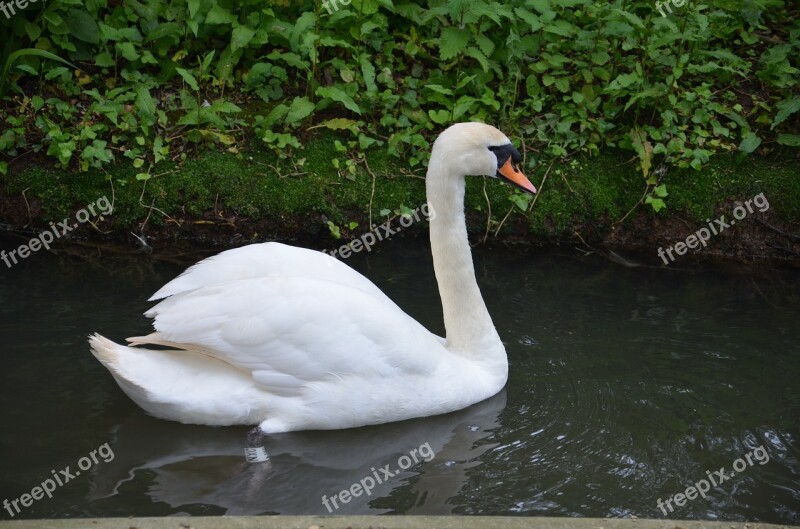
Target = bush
(566,75)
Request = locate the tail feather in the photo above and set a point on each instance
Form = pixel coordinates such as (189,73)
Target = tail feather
(157,339)
(179,384)
(110,355)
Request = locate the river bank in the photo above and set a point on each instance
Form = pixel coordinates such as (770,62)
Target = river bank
(746,209)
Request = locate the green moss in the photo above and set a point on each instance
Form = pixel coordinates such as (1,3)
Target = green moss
(700,193)
(294,192)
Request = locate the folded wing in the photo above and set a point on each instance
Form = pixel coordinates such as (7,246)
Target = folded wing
(291,330)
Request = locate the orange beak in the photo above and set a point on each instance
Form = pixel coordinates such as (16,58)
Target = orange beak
(515,176)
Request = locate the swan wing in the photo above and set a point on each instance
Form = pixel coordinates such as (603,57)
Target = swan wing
(264,260)
(289,332)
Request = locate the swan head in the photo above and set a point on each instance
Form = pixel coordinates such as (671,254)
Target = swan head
(477,149)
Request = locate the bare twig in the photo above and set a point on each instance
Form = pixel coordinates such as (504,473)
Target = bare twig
(541,186)
(489,212)
(592,250)
(411,174)
(278,172)
(152,208)
(777,230)
(564,178)
(372,194)
(504,220)
(28,207)
(646,189)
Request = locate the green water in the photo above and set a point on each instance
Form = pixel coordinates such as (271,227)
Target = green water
(626,386)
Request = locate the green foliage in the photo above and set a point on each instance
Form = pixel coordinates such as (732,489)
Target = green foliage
(569,76)
(656,197)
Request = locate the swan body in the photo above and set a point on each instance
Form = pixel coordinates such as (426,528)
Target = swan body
(293,339)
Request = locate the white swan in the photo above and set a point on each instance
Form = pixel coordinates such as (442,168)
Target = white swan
(293,339)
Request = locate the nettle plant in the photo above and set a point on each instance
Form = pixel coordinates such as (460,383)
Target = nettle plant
(146,79)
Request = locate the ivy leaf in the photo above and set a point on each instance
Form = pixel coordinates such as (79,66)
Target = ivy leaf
(276,114)
(462,106)
(338,124)
(452,42)
(348,76)
(340,96)
(786,108)
(365,141)
(97,151)
(440,117)
(189,78)
(792,140)
(54,72)
(104,60)
(521,200)
(750,142)
(365,7)
(368,71)
(33,31)
(219,15)
(193,5)
(656,203)
(300,108)
(241,37)
(170,29)
(334,229)
(145,103)
(301,27)
(439,89)
(643,148)
(127,50)
(226,107)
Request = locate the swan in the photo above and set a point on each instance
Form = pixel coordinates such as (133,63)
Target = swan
(292,339)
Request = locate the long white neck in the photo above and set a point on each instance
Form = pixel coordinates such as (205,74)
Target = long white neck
(470,331)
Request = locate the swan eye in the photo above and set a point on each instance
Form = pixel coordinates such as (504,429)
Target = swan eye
(504,152)
(507,159)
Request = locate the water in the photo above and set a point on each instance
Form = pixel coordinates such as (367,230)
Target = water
(626,386)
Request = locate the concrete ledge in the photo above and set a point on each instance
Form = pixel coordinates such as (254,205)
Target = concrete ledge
(375,522)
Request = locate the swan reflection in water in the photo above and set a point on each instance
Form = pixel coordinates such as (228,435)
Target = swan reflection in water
(189,465)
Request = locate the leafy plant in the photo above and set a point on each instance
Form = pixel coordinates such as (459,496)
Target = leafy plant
(569,76)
